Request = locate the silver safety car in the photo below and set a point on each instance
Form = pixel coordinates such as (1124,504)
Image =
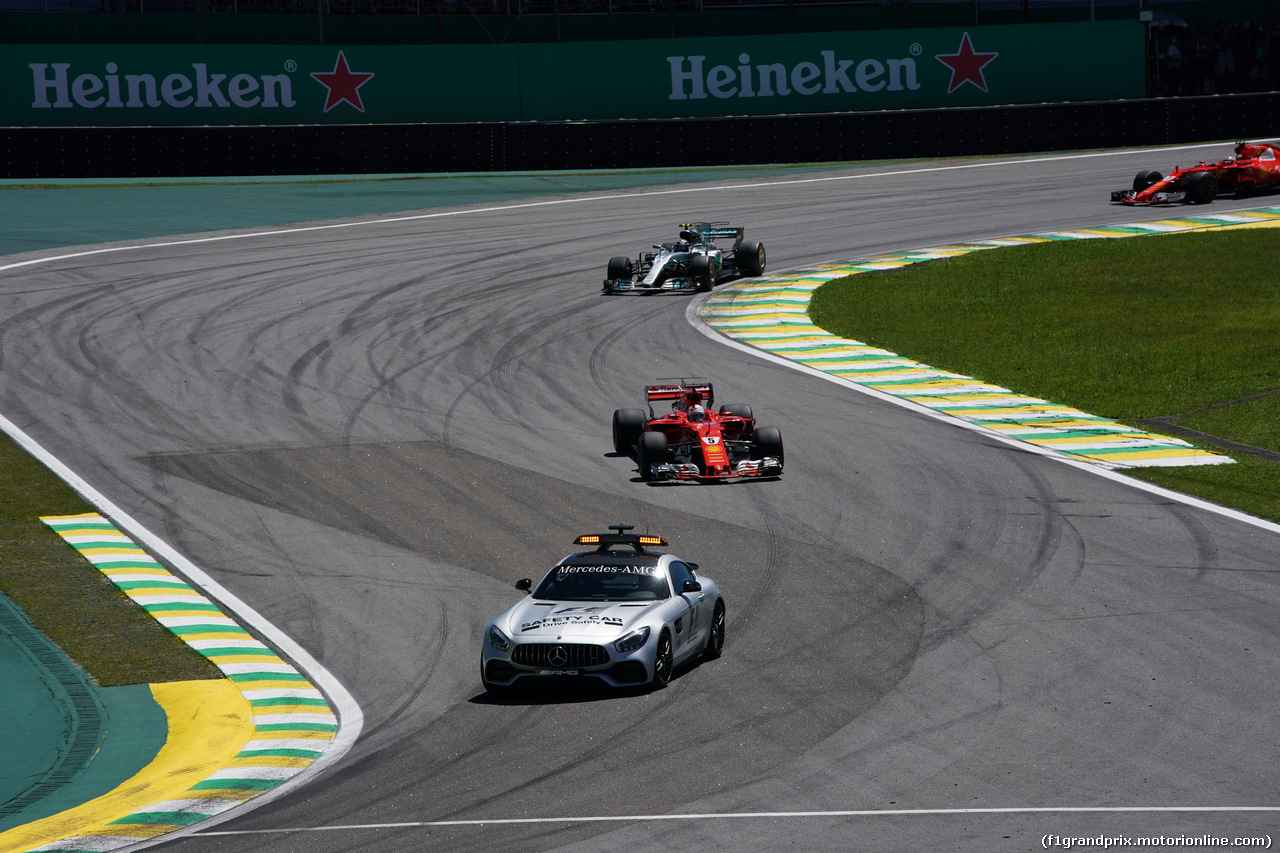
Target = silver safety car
(621,614)
(693,262)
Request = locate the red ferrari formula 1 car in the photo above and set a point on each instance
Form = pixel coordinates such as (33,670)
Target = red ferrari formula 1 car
(692,441)
(1254,168)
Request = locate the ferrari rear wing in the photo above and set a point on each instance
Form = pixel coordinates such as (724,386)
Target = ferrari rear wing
(674,389)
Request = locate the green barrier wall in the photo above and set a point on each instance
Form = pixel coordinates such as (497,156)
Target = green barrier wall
(223,85)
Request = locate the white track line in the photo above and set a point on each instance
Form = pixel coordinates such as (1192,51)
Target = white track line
(761,816)
(861,176)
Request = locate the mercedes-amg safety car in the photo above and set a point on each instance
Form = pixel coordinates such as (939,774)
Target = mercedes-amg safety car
(1255,168)
(692,440)
(694,262)
(621,614)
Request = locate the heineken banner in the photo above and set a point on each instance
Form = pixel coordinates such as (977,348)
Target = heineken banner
(138,85)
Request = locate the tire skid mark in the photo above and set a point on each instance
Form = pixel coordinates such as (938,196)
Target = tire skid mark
(437,644)
(514,345)
(740,617)
(643,722)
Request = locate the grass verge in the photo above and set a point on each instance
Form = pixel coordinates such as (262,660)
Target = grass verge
(114,640)
(1178,327)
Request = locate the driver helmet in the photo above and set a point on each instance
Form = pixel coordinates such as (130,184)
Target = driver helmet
(689,236)
(696,412)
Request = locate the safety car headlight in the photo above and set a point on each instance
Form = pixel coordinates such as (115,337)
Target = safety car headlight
(498,640)
(632,641)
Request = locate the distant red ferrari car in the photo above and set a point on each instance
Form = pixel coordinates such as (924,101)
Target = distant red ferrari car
(693,441)
(1254,168)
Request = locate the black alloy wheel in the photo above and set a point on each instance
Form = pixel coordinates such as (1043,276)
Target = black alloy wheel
(715,635)
(663,661)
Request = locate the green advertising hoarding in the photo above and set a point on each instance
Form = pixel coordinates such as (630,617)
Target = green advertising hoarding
(123,85)
(139,85)
(834,72)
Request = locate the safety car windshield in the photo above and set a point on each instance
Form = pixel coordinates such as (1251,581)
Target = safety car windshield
(636,580)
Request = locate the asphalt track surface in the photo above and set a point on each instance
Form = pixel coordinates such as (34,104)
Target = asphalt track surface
(936,641)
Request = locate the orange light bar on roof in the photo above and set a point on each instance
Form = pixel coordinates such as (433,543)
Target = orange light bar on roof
(651,540)
(588,539)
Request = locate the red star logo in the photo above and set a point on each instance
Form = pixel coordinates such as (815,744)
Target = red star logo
(343,84)
(966,66)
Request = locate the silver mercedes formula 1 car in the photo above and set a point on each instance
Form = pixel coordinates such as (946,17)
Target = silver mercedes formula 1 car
(620,614)
(694,262)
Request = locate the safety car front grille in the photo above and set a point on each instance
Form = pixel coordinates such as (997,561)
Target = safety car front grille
(569,656)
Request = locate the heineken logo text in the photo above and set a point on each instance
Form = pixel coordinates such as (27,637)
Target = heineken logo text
(56,88)
(692,80)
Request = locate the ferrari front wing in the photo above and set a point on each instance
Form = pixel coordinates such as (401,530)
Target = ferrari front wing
(769,466)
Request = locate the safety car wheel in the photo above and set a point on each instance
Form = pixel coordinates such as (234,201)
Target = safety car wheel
(651,448)
(628,424)
(1202,187)
(663,661)
(742,410)
(701,273)
(619,267)
(715,635)
(750,258)
(768,442)
(1146,178)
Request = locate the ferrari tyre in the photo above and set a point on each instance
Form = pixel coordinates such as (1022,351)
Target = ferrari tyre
(768,442)
(1202,187)
(750,258)
(663,661)
(715,634)
(651,448)
(1146,178)
(701,273)
(628,424)
(619,267)
(742,410)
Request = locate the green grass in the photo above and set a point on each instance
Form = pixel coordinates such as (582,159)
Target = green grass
(114,640)
(1146,327)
